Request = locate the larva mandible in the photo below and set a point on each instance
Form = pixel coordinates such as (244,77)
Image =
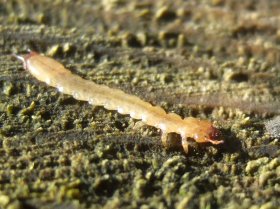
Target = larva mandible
(55,74)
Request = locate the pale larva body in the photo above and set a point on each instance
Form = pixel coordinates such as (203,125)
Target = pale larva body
(55,74)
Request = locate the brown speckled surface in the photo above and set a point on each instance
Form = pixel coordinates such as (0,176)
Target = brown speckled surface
(215,59)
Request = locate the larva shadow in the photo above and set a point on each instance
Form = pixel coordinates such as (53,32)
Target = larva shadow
(232,143)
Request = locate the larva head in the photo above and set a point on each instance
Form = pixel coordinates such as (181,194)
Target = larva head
(203,131)
(207,133)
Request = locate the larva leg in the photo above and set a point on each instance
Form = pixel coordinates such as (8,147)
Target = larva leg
(171,140)
(164,139)
(185,144)
(138,124)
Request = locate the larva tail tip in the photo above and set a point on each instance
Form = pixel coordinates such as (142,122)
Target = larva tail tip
(21,58)
(25,57)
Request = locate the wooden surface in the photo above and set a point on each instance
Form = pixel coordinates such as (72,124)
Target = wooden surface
(216,60)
